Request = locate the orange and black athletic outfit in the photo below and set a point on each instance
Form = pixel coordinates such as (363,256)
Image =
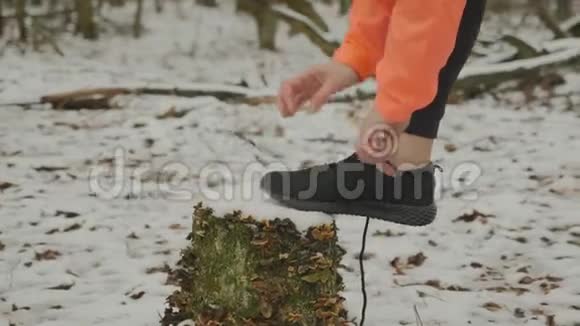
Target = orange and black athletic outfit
(415,49)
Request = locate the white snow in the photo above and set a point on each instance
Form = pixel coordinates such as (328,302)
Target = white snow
(528,158)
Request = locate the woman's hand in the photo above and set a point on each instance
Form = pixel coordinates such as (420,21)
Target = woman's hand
(315,85)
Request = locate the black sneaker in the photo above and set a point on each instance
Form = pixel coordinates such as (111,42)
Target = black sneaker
(355,188)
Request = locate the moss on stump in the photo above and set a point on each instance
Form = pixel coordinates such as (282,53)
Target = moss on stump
(240,271)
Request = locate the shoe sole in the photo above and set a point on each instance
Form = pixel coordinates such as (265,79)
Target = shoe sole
(400,214)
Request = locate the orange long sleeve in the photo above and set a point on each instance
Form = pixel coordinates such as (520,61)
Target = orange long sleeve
(420,40)
(363,46)
(405,44)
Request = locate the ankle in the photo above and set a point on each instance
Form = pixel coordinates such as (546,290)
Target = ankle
(414,152)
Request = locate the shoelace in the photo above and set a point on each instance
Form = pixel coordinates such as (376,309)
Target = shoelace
(362,272)
(362,265)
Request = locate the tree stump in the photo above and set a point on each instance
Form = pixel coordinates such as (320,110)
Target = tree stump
(241,271)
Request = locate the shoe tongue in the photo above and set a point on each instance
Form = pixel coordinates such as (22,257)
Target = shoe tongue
(353,158)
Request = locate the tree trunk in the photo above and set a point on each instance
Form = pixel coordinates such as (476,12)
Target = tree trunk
(1,19)
(85,19)
(344,7)
(267,29)
(266,21)
(239,271)
(207,3)
(137,24)
(21,19)
(564,9)
(159,6)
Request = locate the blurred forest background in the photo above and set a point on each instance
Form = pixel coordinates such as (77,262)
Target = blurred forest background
(153,86)
(38,22)
(40,25)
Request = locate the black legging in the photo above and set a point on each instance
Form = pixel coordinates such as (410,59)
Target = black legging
(425,122)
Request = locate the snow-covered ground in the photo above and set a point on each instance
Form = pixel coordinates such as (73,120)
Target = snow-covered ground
(71,255)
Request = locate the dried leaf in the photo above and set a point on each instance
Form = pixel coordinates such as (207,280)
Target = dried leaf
(172,112)
(492,306)
(63,287)
(50,168)
(396,264)
(450,148)
(388,233)
(435,284)
(73,227)
(366,256)
(475,215)
(323,233)
(16,308)
(574,242)
(416,260)
(527,280)
(554,278)
(47,255)
(159,269)
(524,269)
(176,226)
(537,312)
(66,214)
(136,296)
(6,185)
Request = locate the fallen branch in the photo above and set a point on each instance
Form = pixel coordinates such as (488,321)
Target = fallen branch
(101,98)
(301,24)
(474,80)
(572,26)
(97,98)
(51,14)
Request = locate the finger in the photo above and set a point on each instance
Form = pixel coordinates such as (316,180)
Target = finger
(387,168)
(281,105)
(322,95)
(285,96)
(300,102)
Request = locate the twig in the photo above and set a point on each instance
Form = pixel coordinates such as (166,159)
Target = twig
(418,319)
(548,20)
(21,104)
(45,15)
(241,136)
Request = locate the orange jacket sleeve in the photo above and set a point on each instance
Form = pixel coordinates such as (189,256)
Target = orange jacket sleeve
(421,38)
(363,46)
